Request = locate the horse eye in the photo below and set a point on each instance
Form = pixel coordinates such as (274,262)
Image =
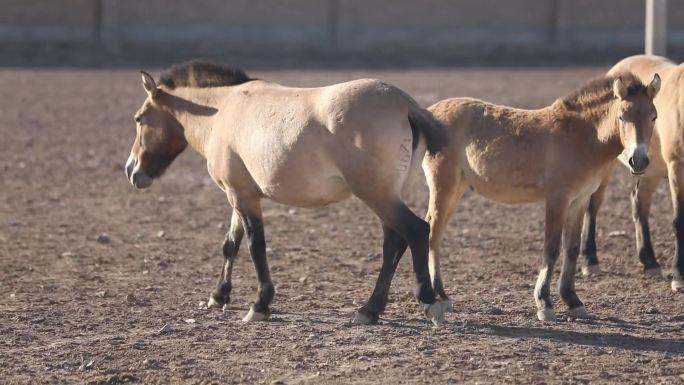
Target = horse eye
(621,118)
(138,119)
(654,118)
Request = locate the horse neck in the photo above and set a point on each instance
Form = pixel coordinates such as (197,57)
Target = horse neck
(195,109)
(603,121)
(608,129)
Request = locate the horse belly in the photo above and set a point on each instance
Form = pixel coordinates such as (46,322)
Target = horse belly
(308,190)
(509,191)
(504,174)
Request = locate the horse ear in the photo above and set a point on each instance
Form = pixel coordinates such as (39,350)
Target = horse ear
(654,86)
(148,84)
(619,88)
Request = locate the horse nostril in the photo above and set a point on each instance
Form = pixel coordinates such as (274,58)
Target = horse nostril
(129,169)
(639,163)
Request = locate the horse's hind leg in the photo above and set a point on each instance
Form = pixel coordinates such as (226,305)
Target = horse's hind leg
(231,245)
(641,208)
(571,245)
(555,218)
(588,239)
(415,232)
(393,248)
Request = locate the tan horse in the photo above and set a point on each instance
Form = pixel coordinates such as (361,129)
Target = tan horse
(305,147)
(559,154)
(667,161)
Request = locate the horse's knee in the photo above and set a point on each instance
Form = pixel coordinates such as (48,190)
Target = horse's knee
(573,251)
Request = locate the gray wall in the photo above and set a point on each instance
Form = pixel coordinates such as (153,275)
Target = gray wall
(338,25)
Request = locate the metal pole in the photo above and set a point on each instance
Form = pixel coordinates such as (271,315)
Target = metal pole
(656,27)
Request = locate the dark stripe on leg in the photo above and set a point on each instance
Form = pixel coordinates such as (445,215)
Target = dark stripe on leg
(588,248)
(231,246)
(643,233)
(678,225)
(257,249)
(393,248)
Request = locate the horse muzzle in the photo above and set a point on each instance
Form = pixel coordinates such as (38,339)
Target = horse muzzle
(638,160)
(138,178)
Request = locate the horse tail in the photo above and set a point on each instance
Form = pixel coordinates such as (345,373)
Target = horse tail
(428,135)
(425,126)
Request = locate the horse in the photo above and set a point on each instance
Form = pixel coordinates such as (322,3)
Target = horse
(559,154)
(667,161)
(304,147)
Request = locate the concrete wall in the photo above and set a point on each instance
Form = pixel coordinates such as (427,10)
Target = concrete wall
(341,25)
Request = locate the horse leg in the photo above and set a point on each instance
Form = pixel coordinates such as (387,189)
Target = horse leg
(249,210)
(555,218)
(676,178)
(415,232)
(588,238)
(231,245)
(641,207)
(571,248)
(393,249)
(445,194)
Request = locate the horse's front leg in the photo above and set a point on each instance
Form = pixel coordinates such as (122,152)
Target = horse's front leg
(588,238)
(571,248)
(249,210)
(555,218)
(221,295)
(641,208)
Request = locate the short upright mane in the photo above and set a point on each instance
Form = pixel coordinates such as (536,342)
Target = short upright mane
(599,91)
(202,74)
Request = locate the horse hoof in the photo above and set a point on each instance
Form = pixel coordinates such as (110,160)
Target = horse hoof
(578,312)
(678,285)
(212,303)
(546,315)
(435,312)
(253,316)
(361,318)
(653,272)
(591,270)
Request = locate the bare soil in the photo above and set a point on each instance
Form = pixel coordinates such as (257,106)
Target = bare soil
(74,310)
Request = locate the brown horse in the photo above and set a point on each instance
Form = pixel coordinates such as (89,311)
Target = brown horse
(559,154)
(667,161)
(305,147)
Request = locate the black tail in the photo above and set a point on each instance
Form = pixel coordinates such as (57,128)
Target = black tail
(422,122)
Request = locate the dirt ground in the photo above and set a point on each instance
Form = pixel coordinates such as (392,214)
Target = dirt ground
(73,310)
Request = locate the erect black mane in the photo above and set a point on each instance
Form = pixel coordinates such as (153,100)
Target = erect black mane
(600,90)
(202,74)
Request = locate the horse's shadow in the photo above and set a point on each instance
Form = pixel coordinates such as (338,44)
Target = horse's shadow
(597,339)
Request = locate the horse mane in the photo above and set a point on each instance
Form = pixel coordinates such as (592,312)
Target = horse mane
(202,74)
(599,91)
